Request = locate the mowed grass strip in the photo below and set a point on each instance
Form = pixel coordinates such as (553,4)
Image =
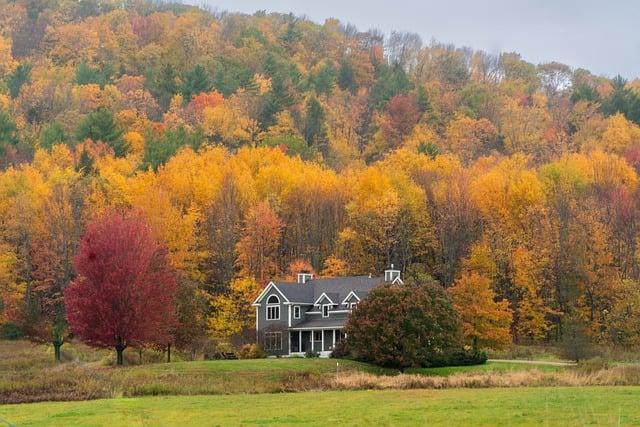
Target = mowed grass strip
(561,406)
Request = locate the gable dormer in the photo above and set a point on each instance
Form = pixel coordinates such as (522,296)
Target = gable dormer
(391,275)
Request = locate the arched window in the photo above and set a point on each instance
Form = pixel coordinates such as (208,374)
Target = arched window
(273,308)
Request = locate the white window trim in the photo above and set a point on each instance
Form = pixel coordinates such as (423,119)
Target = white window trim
(328,308)
(296,312)
(274,306)
(324,295)
(345,301)
(266,290)
(353,305)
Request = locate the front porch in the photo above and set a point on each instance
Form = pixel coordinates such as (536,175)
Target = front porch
(321,341)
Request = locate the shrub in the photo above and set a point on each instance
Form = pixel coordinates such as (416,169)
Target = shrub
(9,331)
(459,358)
(311,354)
(251,351)
(340,350)
(400,326)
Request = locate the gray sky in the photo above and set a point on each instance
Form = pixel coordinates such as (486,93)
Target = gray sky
(601,36)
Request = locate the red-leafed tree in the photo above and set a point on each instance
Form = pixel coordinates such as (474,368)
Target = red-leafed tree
(125,291)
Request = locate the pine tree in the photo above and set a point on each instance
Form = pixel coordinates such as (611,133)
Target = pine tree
(100,125)
(195,81)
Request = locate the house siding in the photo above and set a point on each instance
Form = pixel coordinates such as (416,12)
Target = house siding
(280,325)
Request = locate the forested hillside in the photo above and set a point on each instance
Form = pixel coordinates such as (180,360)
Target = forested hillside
(255,146)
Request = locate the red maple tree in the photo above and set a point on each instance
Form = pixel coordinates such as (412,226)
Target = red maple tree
(125,290)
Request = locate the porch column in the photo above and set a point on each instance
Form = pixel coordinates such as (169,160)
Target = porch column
(300,341)
(312,343)
(334,339)
(322,332)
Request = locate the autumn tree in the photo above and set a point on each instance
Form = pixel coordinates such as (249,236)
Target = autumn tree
(257,248)
(485,322)
(125,290)
(233,315)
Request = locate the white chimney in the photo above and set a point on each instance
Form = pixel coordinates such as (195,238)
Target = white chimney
(391,274)
(304,277)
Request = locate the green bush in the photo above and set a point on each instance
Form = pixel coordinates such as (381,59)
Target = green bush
(311,354)
(9,331)
(458,358)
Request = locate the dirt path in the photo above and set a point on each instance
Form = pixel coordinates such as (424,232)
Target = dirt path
(533,362)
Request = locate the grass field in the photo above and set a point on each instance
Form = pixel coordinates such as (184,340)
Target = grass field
(522,406)
(28,374)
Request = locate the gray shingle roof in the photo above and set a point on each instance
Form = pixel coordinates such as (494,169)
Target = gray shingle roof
(336,288)
(326,322)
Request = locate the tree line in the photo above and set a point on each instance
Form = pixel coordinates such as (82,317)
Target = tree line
(257,146)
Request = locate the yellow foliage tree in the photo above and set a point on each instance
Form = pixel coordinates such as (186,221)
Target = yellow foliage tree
(485,322)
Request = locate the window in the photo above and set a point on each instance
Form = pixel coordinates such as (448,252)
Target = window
(325,310)
(296,311)
(273,340)
(317,335)
(273,308)
(353,305)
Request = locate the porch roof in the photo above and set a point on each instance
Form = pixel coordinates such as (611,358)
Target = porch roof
(326,323)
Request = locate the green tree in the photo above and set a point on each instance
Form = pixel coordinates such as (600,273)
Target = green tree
(405,325)
(159,149)
(347,76)
(392,81)
(7,131)
(52,135)
(622,100)
(166,86)
(314,124)
(20,76)
(195,81)
(100,125)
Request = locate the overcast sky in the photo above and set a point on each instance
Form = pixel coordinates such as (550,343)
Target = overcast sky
(601,36)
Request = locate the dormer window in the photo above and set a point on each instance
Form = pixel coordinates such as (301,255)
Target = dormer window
(390,274)
(353,305)
(325,310)
(273,308)
(296,311)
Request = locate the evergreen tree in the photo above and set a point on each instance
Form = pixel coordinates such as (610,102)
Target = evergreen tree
(20,76)
(324,80)
(87,75)
(195,81)
(392,81)
(166,86)
(622,100)
(7,131)
(314,129)
(100,125)
(347,76)
(52,135)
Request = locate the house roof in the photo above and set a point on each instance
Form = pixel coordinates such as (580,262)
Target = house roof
(336,288)
(326,322)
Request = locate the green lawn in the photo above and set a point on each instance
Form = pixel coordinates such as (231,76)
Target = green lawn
(520,406)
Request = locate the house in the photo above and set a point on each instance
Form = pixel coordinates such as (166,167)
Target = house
(309,314)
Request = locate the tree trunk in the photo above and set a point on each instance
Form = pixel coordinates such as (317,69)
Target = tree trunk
(168,353)
(56,350)
(140,355)
(119,350)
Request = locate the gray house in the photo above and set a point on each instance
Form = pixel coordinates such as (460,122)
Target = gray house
(310,314)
